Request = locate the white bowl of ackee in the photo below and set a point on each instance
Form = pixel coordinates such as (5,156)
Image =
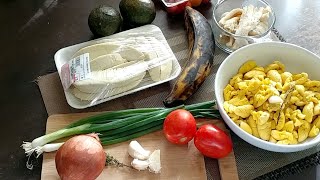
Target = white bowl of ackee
(296,60)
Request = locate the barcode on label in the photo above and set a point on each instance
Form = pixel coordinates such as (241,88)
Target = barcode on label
(76,69)
(78,61)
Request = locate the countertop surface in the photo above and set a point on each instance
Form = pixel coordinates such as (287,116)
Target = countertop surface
(32,31)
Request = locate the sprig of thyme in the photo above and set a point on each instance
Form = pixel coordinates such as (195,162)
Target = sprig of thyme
(112,161)
(286,99)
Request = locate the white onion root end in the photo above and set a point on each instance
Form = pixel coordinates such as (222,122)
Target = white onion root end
(47,148)
(29,150)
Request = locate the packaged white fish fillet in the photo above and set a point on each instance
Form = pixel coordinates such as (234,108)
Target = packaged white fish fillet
(107,68)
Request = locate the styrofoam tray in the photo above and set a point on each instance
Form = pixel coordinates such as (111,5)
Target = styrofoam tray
(63,55)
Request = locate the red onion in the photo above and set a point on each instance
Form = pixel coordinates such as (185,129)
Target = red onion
(81,158)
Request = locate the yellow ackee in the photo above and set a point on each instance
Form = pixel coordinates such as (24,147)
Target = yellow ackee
(272,104)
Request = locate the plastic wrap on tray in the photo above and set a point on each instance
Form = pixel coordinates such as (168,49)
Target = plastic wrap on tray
(118,65)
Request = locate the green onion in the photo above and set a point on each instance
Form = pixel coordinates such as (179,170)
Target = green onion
(105,137)
(118,126)
(132,136)
(111,115)
(149,122)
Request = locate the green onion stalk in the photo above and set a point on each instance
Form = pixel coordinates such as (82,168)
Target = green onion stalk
(116,126)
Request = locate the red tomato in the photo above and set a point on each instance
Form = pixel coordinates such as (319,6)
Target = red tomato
(179,127)
(213,142)
(174,10)
(178,9)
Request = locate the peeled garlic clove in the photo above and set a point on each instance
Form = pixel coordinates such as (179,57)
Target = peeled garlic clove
(136,151)
(139,164)
(154,162)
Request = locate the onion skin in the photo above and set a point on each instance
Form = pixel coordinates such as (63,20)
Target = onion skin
(80,158)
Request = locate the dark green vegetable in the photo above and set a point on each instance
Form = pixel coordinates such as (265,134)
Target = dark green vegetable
(104,21)
(137,12)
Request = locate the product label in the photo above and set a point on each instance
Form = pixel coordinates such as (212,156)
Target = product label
(76,69)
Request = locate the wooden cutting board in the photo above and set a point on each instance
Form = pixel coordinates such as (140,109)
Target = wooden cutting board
(178,162)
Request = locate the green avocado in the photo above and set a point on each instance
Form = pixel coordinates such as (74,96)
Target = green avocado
(104,21)
(137,12)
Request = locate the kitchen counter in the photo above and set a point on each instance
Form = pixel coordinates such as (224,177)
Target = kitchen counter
(32,31)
